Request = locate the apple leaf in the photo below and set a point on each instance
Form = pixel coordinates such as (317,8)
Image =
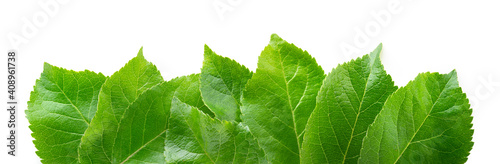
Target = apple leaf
(286,112)
(60,109)
(194,137)
(222,82)
(117,94)
(279,99)
(348,101)
(427,121)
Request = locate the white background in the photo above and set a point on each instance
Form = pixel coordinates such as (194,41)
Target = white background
(421,35)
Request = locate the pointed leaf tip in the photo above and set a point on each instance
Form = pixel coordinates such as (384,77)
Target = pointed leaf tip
(274,35)
(453,73)
(207,51)
(140,54)
(377,50)
(375,54)
(275,40)
(45,65)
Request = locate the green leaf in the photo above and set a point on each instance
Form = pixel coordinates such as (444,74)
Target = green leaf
(60,108)
(348,101)
(279,99)
(222,82)
(141,132)
(194,137)
(285,112)
(146,120)
(140,135)
(189,92)
(427,121)
(117,94)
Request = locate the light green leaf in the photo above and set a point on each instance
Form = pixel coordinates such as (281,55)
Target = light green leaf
(194,137)
(189,92)
(60,108)
(348,101)
(141,132)
(141,136)
(279,99)
(285,112)
(427,121)
(117,94)
(222,82)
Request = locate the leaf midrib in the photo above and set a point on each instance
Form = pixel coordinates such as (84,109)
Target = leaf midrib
(142,147)
(227,87)
(71,102)
(290,102)
(423,122)
(129,104)
(147,143)
(358,113)
(199,142)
